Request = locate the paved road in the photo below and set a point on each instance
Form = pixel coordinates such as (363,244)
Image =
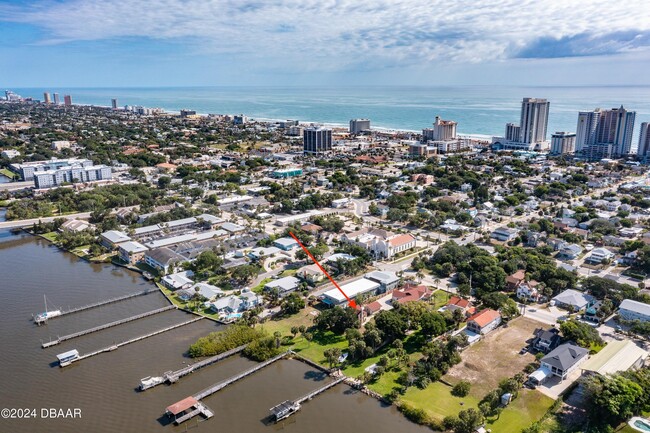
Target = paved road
(32,221)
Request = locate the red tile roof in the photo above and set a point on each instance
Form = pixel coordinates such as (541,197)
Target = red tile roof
(459,302)
(411,294)
(373,307)
(400,240)
(484,317)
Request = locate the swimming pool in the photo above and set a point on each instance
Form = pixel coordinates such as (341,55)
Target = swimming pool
(234,316)
(639,424)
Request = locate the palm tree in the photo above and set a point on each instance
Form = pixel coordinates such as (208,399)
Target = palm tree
(436,281)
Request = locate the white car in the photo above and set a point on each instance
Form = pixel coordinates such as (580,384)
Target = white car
(589,247)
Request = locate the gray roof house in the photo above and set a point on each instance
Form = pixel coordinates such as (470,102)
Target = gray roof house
(572,298)
(162,259)
(564,359)
(284,285)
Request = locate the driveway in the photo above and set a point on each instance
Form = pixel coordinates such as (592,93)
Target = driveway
(547,315)
(554,387)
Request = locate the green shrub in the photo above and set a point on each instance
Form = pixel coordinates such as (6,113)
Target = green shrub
(461,389)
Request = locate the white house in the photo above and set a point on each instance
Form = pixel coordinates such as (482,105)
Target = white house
(634,310)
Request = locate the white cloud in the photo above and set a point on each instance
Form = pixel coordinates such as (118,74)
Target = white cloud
(337,34)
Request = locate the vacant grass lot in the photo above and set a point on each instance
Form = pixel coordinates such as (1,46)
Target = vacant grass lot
(494,358)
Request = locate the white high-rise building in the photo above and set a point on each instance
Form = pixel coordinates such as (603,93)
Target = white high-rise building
(530,134)
(512,132)
(358,126)
(534,120)
(586,128)
(643,150)
(606,133)
(114,103)
(563,143)
(56,98)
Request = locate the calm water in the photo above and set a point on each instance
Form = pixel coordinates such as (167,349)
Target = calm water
(103,387)
(477,109)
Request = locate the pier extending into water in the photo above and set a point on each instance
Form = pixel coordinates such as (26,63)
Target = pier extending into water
(132,340)
(173,376)
(104,302)
(199,408)
(107,325)
(289,407)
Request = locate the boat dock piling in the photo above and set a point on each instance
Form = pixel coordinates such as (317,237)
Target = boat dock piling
(107,325)
(173,376)
(133,340)
(105,302)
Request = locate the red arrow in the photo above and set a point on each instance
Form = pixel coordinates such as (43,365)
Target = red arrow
(351,302)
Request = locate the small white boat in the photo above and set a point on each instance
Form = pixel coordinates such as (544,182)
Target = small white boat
(43,317)
(67,358)
(150,382)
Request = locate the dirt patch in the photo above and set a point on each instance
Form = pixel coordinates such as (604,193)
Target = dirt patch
(496,357)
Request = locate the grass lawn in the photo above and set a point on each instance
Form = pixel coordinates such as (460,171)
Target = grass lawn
(10,174)
(260,287)
(440,299)
(437,401)
(288,273)
(50,236)
(528,407)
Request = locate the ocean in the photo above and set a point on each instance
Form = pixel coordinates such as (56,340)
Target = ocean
(481,110)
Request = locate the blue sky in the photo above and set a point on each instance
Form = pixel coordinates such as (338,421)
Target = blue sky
(323,42)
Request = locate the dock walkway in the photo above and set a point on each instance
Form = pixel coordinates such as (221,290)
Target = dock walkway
(104,302)
(323,388)
(221,385)
(174,376)
(133,340)
(107,325)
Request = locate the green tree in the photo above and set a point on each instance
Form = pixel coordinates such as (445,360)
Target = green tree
(332,355)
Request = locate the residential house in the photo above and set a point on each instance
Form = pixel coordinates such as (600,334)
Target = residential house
(131,252)
(634,310)
(546,339)
(236,304)
(570,251)
(205,291)
(286,244)
(411,293)
(599,255)
(514,281)
(572,299)
(75,226)
(372,308)
(564,359)
(529,291)
(311,273)
(484,321)
(504,234)
(178,281)
(458,303)
(284,286)
(362,286)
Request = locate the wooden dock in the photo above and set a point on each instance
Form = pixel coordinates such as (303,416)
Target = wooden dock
(289,407)
(105,302)
(221,385)
(107,325)
(133,340)
(201,409)
(174,376)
